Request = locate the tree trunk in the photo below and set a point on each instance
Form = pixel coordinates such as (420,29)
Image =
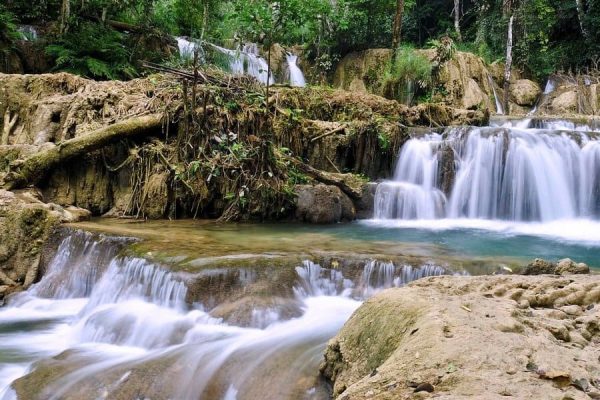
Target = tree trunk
(397,30)
(508,66)
(204,19)
(35,167)
(581,17)
(65,14)
(457,20)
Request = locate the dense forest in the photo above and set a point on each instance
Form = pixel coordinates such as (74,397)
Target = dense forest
(106,39)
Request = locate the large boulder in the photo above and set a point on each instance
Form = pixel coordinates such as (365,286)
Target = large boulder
(567,266)
(529,337)
(323,204)
(564,103)
(525,92)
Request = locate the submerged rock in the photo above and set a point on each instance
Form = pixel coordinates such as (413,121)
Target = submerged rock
(469,337)
(323,204)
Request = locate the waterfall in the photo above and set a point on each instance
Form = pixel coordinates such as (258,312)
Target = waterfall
(511,173)
(548,89)
(499,108)
(247,61)
(103,325)
(239,62)
(187,48)
(296,75)
(28,32)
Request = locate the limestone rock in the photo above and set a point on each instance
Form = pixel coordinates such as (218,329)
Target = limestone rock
(323,204)
(565,103)
(525,92)
(567,266)
(25,225)
(468,338)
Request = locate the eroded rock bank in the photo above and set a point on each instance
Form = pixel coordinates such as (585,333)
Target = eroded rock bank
(27,231)
(492,337)
(464,81)
(149,148)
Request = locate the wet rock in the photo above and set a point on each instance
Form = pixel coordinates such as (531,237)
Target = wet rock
(525,92)
(365,205)
(323,204)
(424,387)
(567,266)
(539,267)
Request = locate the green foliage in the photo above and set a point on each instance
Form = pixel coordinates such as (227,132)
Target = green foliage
(410,74)
(411,65)
(94,51)
(8,28)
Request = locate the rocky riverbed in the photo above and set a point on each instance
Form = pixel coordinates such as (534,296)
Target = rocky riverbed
(489,337)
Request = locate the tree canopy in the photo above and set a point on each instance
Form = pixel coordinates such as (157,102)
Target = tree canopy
(549,35)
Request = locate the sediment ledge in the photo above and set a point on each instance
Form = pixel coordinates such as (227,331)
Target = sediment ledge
(489,337)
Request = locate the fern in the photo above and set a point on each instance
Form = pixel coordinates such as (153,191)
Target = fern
(8,28)
(94,51)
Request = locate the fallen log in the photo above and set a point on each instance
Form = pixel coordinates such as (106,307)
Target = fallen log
(328,178)
(34,168)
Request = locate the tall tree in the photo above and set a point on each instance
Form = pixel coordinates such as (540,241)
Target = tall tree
(65,14)
(508,66)
(397,29)
(581,16)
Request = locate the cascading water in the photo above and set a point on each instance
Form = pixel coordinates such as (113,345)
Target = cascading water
(499,108)
(100,325)
(296,75)
(247,61)
(512,173)
(187,48)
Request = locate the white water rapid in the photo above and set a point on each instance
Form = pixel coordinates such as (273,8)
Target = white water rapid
(530,172)
(100,325)
(296,75)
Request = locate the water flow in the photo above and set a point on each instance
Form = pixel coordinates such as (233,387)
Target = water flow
(509,173)
(247,61)
(100,325)
(296,75)
(499,108)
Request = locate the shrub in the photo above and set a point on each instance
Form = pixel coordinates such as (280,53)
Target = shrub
(409,75)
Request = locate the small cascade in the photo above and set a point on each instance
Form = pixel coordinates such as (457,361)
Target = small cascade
(318,281)
(296,75)
(187,48)
(378,276)
(511,173)
(548,89)
(121,325)
(499,108)
(247,61)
